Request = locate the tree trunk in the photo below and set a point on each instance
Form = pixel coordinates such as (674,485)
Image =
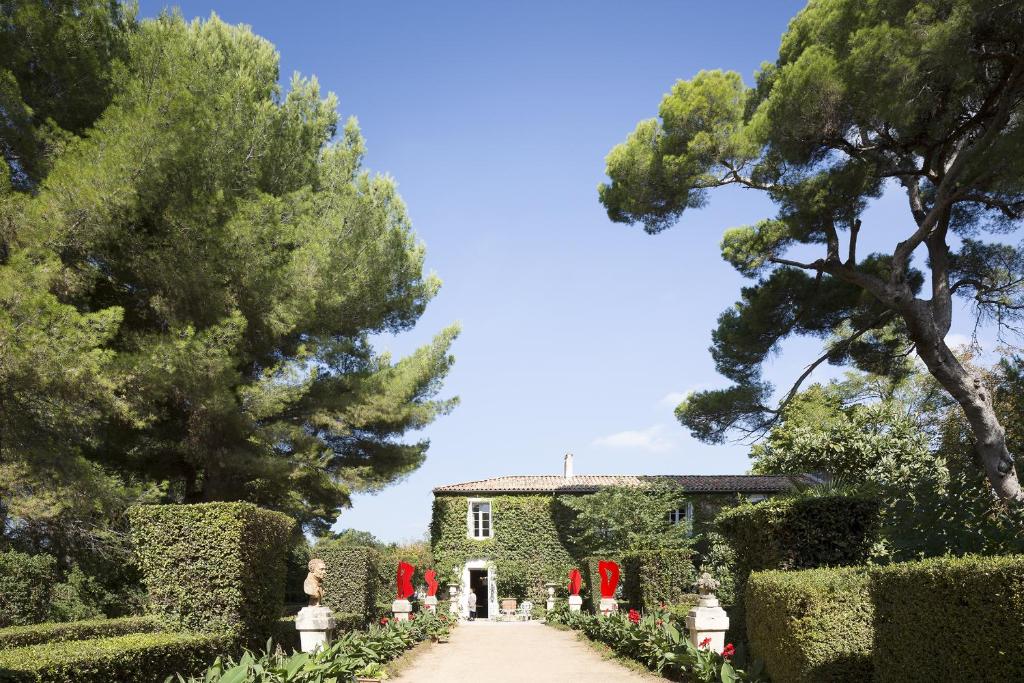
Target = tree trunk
(973,396)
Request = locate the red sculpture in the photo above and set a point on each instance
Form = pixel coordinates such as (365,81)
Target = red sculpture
(431,576)
(405,571)
(575,581)
(609,572)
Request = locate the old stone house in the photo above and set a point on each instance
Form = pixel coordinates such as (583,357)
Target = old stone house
(504,536)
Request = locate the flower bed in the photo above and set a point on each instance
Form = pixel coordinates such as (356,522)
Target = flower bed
(658,643)
(356,653)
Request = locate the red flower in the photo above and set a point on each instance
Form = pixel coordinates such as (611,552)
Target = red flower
(662,605)
(660,622)
(634,616)
(383,621)
(705,642)
(412,617)
(729,651)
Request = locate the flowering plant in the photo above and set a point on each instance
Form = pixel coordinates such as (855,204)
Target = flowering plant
(634,616)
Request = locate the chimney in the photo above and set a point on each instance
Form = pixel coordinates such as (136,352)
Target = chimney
(567,467)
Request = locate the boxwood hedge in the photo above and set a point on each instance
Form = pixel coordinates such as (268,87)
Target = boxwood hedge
(655,577)
(214,566)
(25,582)
(136,658)
(811,626)
(949,619)
(21,636)
(351,577)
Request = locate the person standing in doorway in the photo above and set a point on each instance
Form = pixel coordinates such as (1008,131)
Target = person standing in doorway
(472,605)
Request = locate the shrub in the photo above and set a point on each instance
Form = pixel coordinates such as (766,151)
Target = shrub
(801,532)
(350,581)
(136,658)
(949,619)
(811,626)
(25,584)
(78,597)
(655,577)
(22,636)
(214,566)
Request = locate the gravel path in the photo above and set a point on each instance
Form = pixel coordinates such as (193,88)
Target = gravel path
(515,653)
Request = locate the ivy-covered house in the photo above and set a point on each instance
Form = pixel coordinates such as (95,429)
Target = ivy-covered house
(506,535)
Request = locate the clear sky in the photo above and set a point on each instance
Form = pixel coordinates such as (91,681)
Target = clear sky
(578,334)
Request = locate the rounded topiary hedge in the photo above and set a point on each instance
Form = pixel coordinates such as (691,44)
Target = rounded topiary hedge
(811,626)
(214,566)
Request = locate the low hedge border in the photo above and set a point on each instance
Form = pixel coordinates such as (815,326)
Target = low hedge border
(135,658)
(811,626)
(23,636)
(949,619)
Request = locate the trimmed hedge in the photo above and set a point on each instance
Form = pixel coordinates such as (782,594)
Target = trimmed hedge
(214,566)
(949,619)
(655,577)
(813,625)
(350,579)
(136,658)
(22,636)
(592,579)
(25,583)
(801,533)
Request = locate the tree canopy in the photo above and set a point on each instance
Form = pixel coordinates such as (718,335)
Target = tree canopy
(621,518)
(924,98)
(191,279)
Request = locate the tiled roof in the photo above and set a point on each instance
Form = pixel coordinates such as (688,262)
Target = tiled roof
(588,483)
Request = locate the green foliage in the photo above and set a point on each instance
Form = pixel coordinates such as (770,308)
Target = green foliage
(528,547)
(214,566)
(801,532)
(21,636)
(822,132)
(618,518)
(25,584)
(812,626)
(719,560)
(135,658)
(592,579)
(658,577)
(297,567)
(57,60)
(353,653)
(658,643)
(225,345)
(350,579)
(949,619)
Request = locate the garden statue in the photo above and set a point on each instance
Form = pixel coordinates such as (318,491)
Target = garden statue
(313,586)
(707,622)
(401,607)
(609,572)
(315,622)
(430,602)
(550,587)
(575,581)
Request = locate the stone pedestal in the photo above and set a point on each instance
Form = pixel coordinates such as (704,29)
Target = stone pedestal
(401,609)
(430,603)
(575,603)
(708,620)
(316,628)
(609,605)
(453,603)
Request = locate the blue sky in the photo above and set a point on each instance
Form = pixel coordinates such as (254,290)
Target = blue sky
(578,334)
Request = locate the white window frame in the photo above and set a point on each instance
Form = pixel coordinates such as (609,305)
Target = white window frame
(675,518)
(757,497)
(470,521)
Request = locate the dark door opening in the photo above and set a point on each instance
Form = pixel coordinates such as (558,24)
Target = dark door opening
(478,584)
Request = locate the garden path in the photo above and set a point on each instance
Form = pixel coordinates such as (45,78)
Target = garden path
(513,653)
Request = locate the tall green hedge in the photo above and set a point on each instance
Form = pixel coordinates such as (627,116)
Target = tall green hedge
(801,533)
(950,619)
(350,580)
(527,548)
(214,566)
(135,658)
(25,583)
(653,577)
(811,626)
(592,579)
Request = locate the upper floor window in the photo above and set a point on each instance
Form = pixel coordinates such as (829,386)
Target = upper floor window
(479,519)
(681,515)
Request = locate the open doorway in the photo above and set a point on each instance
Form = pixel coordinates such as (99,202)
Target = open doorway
(478,584)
